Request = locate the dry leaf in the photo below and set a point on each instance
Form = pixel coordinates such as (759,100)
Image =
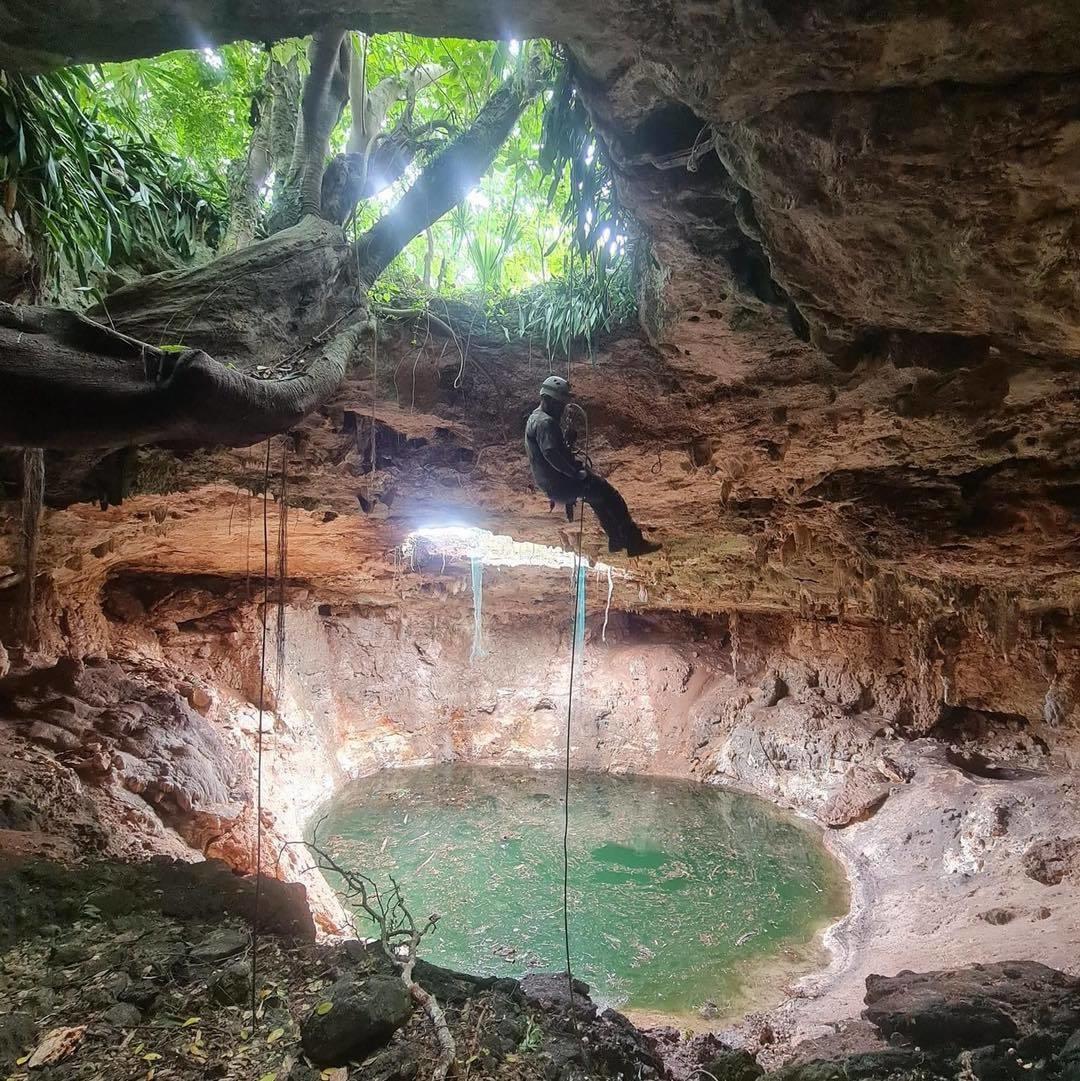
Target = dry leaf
(56,1045)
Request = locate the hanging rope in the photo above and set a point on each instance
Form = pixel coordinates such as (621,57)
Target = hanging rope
(374,404)
(259,741)
(578,618)
(579,587)
(33,500)
(282,573)
(477,653)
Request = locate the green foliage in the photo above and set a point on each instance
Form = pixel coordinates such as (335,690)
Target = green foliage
(573,309)
(590,207)
(94,191)
(539,250)
(120,159)
(533,1038)
(194,105)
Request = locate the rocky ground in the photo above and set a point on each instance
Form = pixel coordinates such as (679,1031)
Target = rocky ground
(120,971)
(111,971)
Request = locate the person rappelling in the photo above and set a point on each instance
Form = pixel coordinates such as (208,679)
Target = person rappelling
(565,479)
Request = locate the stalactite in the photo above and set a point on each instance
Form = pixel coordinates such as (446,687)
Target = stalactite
(477,651)
(607,605)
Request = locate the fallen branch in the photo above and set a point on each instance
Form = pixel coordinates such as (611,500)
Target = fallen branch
(399,936)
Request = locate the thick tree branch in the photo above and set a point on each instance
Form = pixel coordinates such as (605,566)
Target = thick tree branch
(449,178)
(72,383)
(139,371)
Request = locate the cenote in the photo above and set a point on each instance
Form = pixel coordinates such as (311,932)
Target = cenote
(680,894)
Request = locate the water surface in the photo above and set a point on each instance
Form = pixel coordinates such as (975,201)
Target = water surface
(680,894)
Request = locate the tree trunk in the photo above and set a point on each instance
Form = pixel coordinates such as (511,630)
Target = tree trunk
(352,177)
(271,143)
(248,308)
(71,383)
(326,89)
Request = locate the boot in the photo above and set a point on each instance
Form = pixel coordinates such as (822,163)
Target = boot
(639,546)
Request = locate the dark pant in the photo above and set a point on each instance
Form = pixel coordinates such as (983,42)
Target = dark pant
(609,506)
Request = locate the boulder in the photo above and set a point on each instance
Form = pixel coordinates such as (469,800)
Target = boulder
(549,990)
(974,1006)
(16,1035)
(231,986)
(1050,860)
(734,1064)
(1069,1058)
(210,889)
(861,794)
(122,1015)
(363,1015)
(221,944)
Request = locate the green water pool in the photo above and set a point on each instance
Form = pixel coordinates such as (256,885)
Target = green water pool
(680,894)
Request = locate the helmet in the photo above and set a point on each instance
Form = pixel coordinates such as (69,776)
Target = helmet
(555,387)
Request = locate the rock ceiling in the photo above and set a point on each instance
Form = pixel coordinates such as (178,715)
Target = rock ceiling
(860,388)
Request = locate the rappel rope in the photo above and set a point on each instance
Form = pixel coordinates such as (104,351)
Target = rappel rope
(578,586)
(279,662)
(578,606)
(259,741)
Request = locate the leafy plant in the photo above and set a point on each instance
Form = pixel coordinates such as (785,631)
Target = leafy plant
(120,162)
(93,194)
(533,1038)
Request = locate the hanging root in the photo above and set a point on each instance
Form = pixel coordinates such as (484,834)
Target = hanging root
(282,575)
(607,605)
(33,499)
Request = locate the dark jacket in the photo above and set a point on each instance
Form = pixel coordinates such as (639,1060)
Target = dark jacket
(554,468)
